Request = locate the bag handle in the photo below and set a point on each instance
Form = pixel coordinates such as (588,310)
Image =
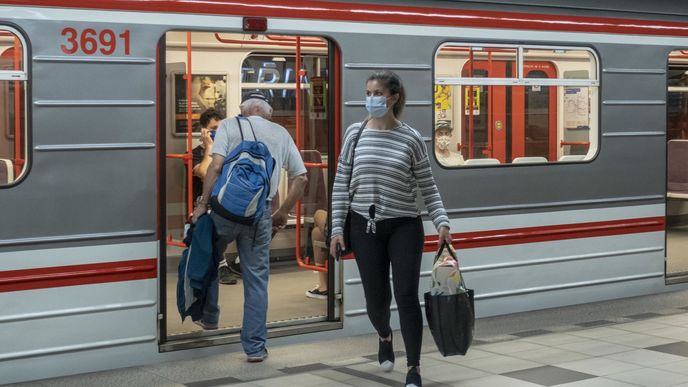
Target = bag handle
(449,248)
(353,154)
(452,253)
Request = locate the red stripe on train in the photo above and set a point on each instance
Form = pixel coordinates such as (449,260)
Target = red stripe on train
(513,236)
(94,273)
(328,10)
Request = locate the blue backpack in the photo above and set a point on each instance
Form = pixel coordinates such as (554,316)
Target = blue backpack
(241,190)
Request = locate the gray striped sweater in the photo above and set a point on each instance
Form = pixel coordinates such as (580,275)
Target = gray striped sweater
(390,167)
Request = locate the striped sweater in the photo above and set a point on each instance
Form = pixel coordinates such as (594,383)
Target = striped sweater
(390,167)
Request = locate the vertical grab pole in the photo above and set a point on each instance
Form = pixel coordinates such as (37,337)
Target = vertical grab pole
(490,127)
(18,154)
(189,127)
(470,107)
(337,114)
(298,140)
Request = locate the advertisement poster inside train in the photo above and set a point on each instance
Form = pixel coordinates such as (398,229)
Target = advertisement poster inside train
(207,91)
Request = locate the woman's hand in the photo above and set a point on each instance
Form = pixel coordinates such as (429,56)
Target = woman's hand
(334,242)
(445,236)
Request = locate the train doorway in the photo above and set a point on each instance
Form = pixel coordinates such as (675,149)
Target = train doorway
(208,70)
(676,264)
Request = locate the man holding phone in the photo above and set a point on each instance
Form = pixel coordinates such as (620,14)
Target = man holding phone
(209,121)
(202,156)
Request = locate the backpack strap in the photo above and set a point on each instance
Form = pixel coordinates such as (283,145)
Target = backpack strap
(250,125)
(241,131)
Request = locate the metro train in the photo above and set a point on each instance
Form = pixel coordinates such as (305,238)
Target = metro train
(558,137)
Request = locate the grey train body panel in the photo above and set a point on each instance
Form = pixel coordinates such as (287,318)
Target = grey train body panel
(484,188)
(102,195)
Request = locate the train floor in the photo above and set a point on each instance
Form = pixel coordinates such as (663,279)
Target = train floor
(640,341)
(286,291)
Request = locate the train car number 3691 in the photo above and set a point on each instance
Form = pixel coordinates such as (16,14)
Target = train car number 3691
(90,41)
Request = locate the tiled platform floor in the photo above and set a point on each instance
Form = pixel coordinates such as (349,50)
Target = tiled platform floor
(632,342)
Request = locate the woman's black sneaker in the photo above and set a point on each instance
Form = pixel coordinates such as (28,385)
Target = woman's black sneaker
(413,378)
(385,354)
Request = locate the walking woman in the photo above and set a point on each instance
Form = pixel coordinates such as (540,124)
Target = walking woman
(383,163)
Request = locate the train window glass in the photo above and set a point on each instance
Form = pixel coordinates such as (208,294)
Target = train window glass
(13,78)
(579,63)
(483,62)
(677,102)
(275,75)
(538,105)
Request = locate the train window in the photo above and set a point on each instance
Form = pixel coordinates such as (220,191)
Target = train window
(497,105)
(275,75)
(677,102)
(13,78)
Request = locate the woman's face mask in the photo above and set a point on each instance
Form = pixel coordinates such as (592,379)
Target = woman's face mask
(376,105)
(443,142)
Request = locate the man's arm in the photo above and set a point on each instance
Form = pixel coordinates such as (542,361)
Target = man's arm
(200,169)
(210,177)
(296,189)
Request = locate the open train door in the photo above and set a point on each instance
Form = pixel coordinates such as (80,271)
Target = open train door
(298,75)
(676,264)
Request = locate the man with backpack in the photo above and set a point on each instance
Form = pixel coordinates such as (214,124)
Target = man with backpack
(248,155)
(202,156)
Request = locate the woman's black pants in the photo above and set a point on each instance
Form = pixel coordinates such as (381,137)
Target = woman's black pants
(398,241)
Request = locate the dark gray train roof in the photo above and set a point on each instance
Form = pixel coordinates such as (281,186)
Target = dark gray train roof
(661,7)
(657,9)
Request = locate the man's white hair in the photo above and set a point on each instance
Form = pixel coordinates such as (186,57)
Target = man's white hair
(256,107)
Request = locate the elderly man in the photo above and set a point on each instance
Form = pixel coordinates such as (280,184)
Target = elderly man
(253,241)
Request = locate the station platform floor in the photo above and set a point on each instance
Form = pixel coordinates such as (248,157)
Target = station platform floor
(639,341)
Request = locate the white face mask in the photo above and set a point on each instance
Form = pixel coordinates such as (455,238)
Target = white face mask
(376,105)
(443,142)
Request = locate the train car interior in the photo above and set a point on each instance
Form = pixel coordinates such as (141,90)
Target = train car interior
(12,99)
(216,70)
(507,104)
(677,168)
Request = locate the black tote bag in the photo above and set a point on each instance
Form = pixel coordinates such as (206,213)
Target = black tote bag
(451,318)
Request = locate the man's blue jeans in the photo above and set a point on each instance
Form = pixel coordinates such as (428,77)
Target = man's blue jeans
(253,244)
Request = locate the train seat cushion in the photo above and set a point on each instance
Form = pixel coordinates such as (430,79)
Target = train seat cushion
(6,171)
